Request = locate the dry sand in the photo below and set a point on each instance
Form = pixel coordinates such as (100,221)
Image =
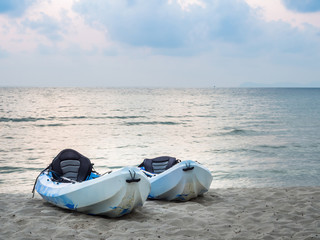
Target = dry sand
(266,213)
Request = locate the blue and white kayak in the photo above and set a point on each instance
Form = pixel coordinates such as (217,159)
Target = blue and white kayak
(182,181)
(70,183)
(113,194)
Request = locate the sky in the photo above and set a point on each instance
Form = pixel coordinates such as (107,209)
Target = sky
(160,43)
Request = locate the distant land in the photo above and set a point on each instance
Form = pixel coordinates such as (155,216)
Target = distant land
(281,84)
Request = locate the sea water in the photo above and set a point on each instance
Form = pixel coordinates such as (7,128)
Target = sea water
(267,137)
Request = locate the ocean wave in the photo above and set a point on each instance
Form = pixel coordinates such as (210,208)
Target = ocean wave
(249,174)
(151,123)
(237,150)
(190,116)
(124,117)
(34,119)
(52,125)
(23,119)
(237,131)
(11,169)
(272,146)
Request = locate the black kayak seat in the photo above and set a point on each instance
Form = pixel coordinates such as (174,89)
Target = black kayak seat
(159,164)
(72,165)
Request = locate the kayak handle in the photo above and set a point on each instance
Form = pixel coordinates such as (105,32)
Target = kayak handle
(188,167)
(133,179)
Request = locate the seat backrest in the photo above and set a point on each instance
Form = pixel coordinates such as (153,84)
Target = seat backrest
(72,165)
(159,164)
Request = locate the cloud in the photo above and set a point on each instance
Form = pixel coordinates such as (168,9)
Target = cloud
(163,24)
(155,43)
(46,26)
(138,23)
(14,8)
(226,27)
(303,6)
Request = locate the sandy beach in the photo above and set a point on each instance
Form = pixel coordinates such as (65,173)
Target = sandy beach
(263,213)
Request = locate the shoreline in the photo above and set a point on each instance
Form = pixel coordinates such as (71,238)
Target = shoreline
(237,213)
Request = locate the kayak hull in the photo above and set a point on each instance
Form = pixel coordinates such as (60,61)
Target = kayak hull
(182,182)
(112,195)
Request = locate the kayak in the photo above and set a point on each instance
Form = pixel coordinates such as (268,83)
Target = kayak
(172,179)
(112,194)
